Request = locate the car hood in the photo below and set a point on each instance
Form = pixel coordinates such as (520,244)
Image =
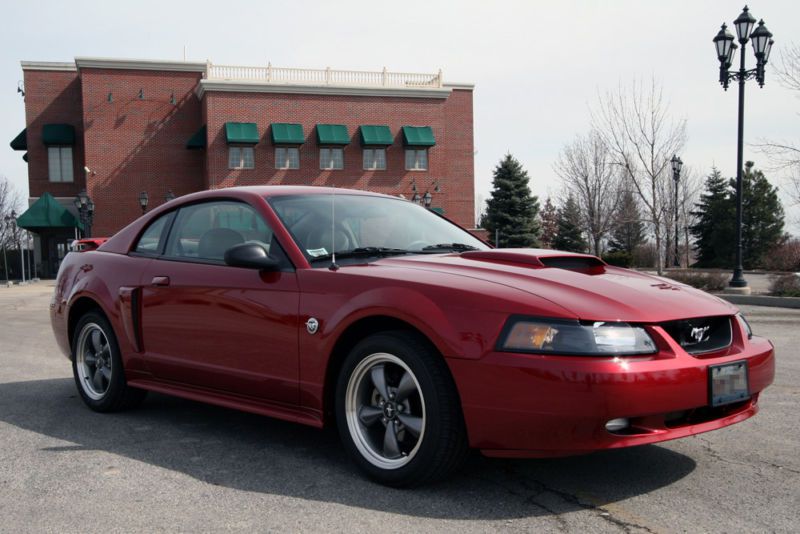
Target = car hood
(588,288)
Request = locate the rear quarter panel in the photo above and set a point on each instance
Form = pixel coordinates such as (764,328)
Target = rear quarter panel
(98,276)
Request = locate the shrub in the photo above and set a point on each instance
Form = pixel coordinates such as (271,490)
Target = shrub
(707,281)
(619,258)
(787,285)
(784,257)
(645,255)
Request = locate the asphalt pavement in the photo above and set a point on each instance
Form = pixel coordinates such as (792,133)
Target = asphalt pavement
(180,466)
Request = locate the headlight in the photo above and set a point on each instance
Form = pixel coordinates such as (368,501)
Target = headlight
(557,336)
(745,325)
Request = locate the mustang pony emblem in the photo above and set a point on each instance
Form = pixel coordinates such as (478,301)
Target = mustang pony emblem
(700,334)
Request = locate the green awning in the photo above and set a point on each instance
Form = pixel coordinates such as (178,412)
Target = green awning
(287,134)
(245,133)
(440,211)
(332,134)
(47,212)
(376,135)
(198,140)
(58,134)
(20,142)
(25,157)
(418,136)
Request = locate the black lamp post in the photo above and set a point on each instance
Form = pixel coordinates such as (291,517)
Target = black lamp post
(85,207)
(677,164)
(726,50)
(143,201)
(6,225)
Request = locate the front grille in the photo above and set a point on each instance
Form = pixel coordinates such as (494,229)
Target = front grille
(701,335)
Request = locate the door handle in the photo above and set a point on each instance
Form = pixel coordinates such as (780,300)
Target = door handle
(160,281)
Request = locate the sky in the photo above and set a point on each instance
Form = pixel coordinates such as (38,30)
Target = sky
(538,67)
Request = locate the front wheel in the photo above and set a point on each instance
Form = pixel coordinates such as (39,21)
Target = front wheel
(97,367)
(398,410)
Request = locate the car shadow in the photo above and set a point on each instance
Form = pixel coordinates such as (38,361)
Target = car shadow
(259,454)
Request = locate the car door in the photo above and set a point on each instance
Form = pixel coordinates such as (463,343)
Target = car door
(218,327)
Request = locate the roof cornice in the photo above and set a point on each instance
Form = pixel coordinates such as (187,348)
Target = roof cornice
(48,65)
(259,87)
(138,64)
(460,86)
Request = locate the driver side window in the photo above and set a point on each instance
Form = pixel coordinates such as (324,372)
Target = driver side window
(205,231)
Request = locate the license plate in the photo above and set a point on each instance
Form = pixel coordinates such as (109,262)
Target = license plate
(728,383)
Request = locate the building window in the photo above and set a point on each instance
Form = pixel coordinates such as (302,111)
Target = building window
(287,157)
(241,157)
(374,159)
(59,161)
(331,158)
(416,159)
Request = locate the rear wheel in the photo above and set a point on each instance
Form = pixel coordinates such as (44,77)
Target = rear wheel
(97,367)
(398,410)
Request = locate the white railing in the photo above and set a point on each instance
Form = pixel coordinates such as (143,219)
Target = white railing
(283,75)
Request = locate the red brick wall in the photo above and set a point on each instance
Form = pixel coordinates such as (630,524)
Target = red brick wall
(450,161)
(52,97)
(135,144)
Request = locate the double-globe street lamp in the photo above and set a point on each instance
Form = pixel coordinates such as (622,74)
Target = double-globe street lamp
(85,206)
(726,50)
(677,164)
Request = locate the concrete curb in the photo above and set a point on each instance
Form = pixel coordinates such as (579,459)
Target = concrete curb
(762,300)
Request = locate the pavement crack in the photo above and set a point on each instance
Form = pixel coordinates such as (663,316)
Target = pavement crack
(537,488)
(708,447)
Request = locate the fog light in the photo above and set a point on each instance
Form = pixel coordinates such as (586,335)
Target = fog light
(615,425)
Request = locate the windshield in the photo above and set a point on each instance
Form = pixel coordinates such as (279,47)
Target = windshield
(366,227)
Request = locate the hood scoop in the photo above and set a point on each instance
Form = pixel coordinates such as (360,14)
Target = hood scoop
(540,259)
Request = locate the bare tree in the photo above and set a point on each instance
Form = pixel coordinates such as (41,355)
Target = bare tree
(587,168)
(785,154)
(635,125)
(9,201)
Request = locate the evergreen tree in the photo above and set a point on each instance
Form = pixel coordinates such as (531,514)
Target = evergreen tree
(569,236)
(628,231)
(549,224)
(762,217)
(511,212)
(714,229)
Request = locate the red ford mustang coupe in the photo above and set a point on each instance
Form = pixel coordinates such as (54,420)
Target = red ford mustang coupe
(416,339)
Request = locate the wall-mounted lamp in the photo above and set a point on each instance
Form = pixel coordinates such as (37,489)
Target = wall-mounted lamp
(110,98)
(436,188)
(172,98)
(141,94)
(21,88)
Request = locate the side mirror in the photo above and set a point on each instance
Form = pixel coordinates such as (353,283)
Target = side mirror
(250,256)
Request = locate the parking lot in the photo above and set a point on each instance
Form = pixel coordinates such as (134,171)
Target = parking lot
(176,465)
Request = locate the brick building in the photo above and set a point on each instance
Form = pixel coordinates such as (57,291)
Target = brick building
(118,127)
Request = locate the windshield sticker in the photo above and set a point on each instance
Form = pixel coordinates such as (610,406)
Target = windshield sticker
(316,252)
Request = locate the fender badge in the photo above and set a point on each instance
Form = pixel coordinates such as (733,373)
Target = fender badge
(312,325)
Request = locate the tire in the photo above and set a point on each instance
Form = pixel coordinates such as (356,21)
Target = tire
(398,411)
(97,367)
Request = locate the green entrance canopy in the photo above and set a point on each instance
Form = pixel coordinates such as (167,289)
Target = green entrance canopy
(47,212)
(20,142)
(198,140)
(245,133)
(287,134)
(376,135)
(332,134)
(58,134)
(418,136)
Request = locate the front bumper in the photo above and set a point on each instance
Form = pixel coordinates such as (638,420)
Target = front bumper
(523,405)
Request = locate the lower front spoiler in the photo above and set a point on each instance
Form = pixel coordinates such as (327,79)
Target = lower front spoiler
(652,429)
